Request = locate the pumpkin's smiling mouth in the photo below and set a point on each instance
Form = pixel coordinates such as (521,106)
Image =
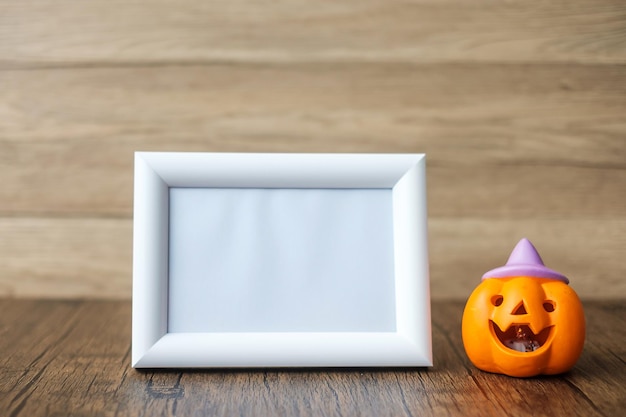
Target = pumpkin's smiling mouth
(520,338)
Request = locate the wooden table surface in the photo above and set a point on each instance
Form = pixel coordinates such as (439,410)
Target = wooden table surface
(72,358)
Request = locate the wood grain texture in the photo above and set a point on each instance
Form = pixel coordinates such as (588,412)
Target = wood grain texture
(122,32)
(72,358)
(519,106)
(501,140)
(66,257)
(92,258)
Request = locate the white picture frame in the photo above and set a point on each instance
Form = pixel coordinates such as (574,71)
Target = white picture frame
(406,344)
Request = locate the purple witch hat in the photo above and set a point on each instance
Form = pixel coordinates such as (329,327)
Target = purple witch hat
(525,261)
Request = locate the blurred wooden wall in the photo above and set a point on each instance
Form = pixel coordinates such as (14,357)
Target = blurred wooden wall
(519,105)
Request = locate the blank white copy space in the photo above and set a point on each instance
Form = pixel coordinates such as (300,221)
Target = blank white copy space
(281,260)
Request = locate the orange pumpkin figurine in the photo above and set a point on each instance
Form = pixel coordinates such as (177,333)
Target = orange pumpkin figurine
(523,319)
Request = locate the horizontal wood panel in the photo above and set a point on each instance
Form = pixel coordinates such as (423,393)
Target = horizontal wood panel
(104,32)
(66,258)
(501,140)
(69,257)
(82,187)
(519,106)
(588,251)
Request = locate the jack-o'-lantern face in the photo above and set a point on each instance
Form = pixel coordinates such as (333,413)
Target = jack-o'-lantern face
(523,326)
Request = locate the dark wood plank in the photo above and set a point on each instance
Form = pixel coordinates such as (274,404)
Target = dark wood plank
(502,140)
(97,32)
(72,358)
(602,367)
(69,257)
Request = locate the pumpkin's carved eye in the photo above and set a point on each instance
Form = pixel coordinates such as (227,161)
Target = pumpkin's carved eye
(497,300)
(549,306)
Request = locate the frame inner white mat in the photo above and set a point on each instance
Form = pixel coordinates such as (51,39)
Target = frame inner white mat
(281,260)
